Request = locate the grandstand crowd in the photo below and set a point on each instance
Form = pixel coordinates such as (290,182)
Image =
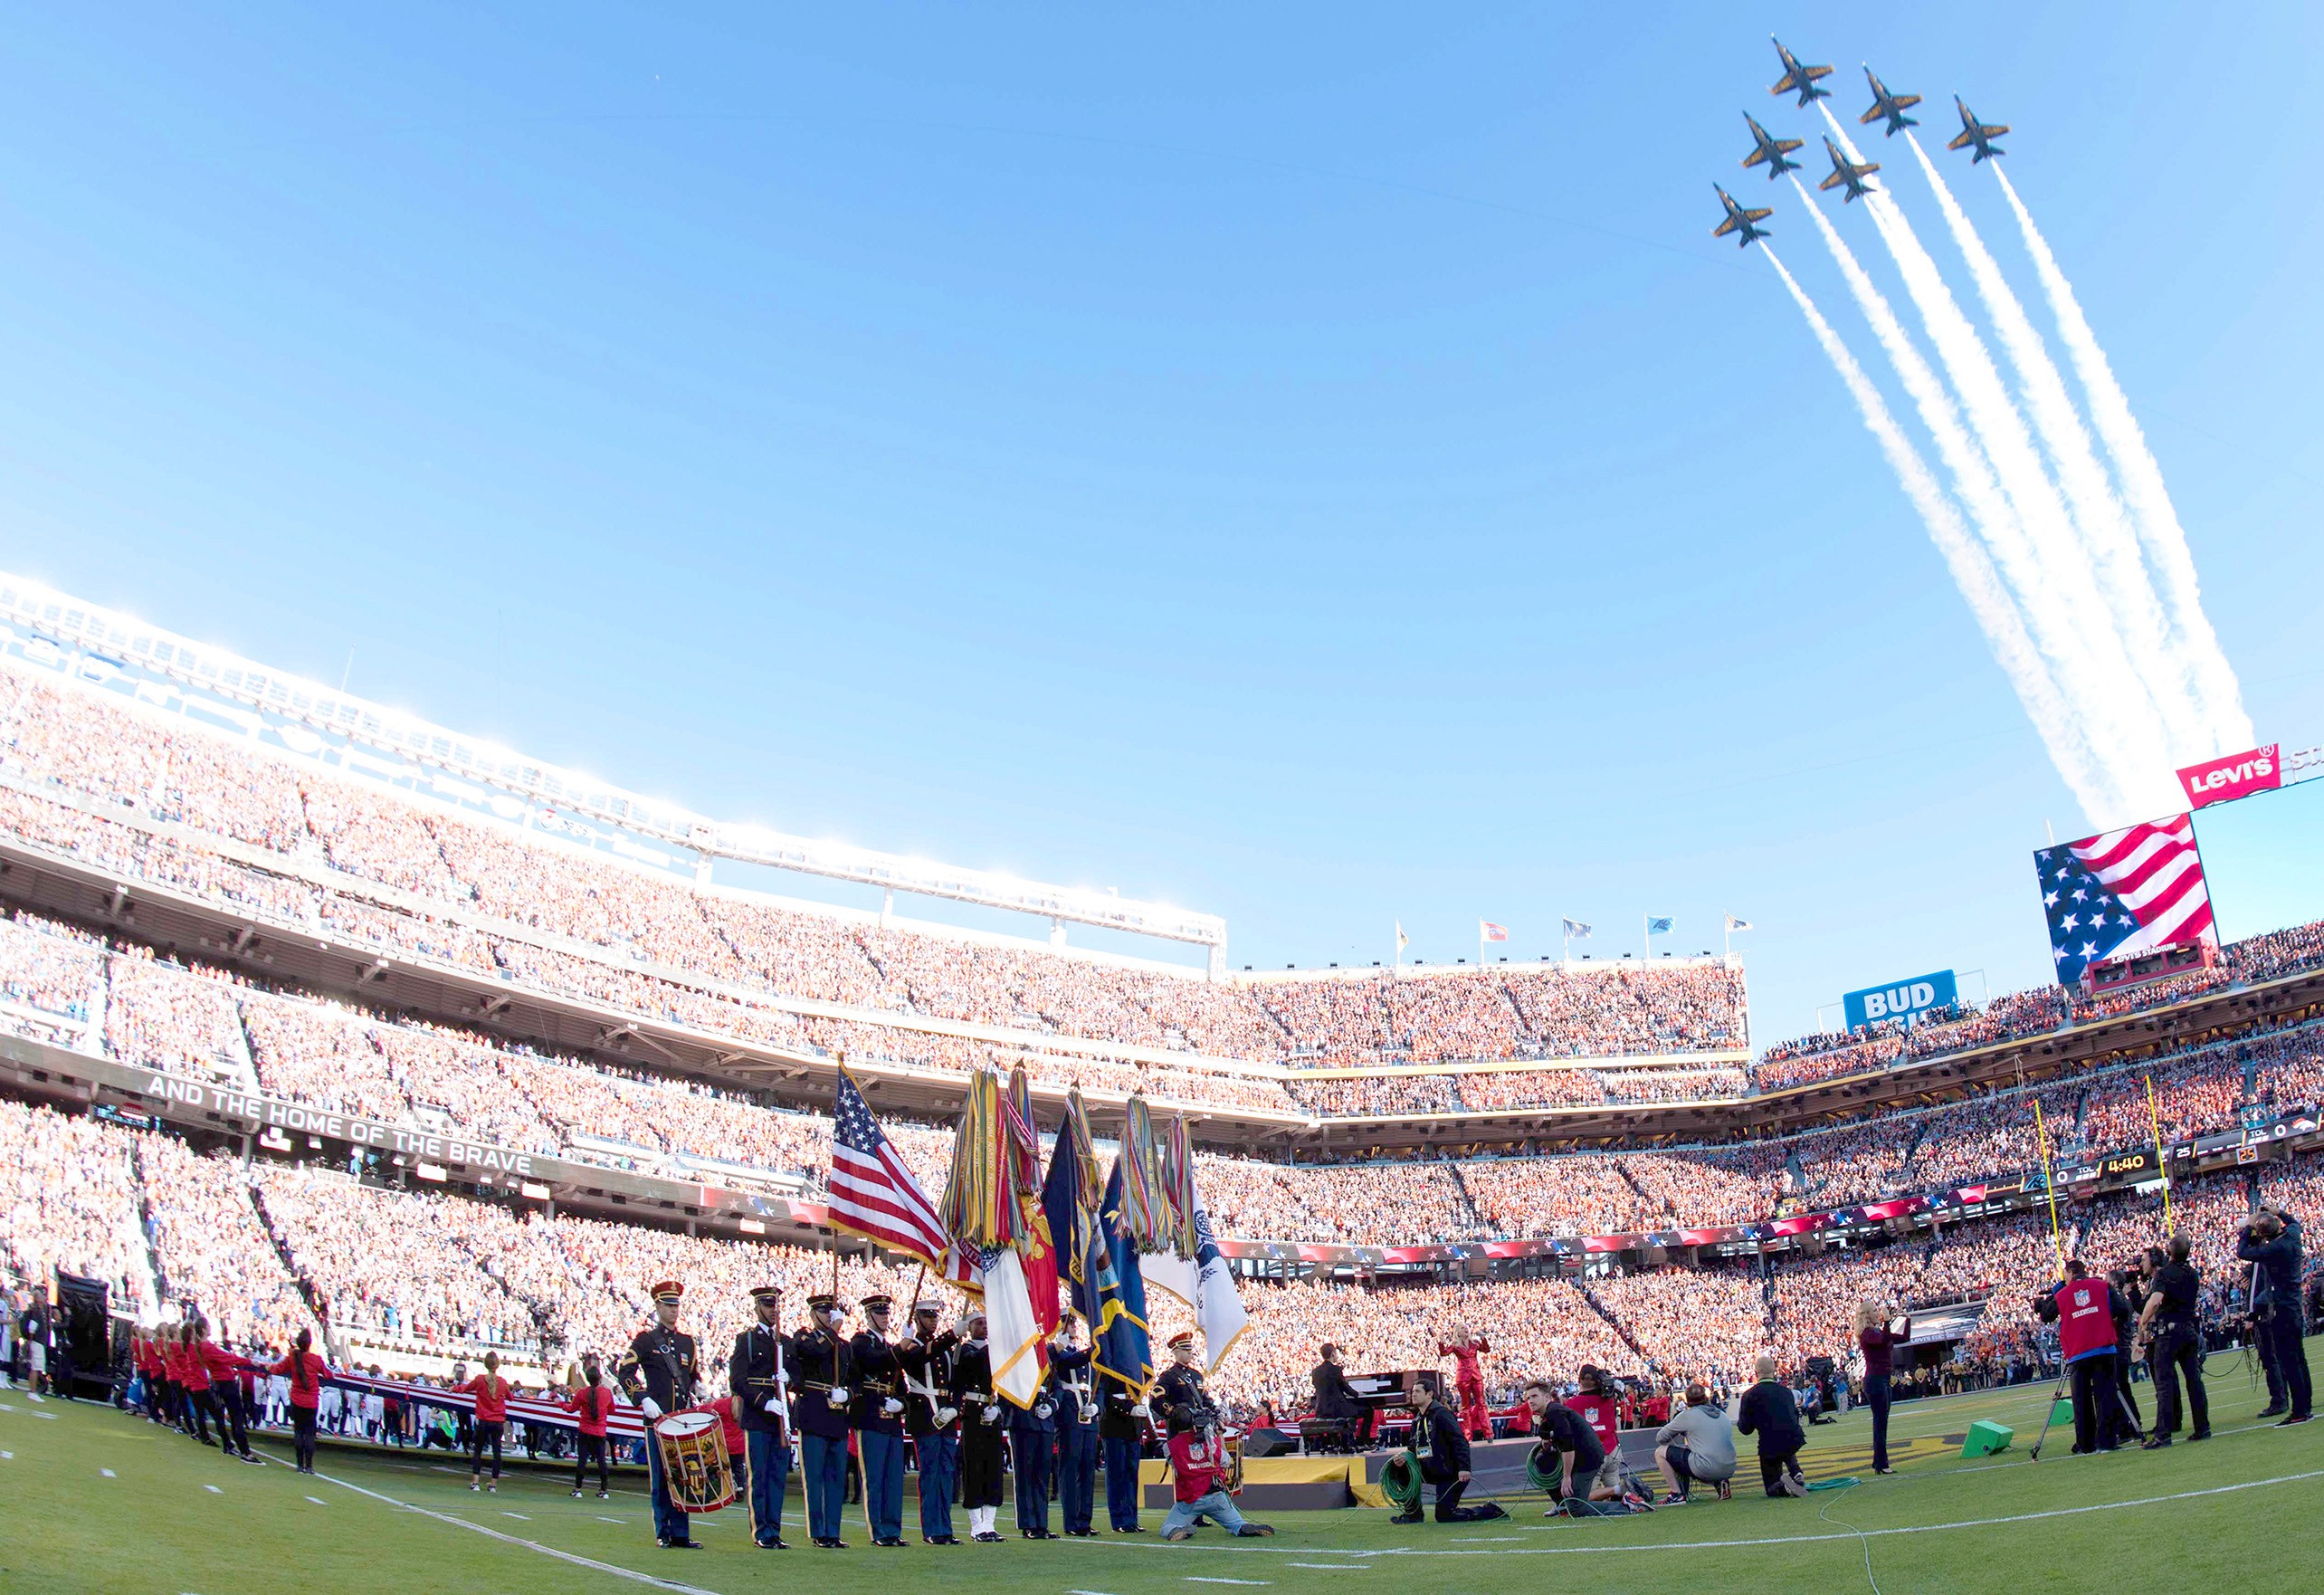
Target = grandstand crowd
(421,1279)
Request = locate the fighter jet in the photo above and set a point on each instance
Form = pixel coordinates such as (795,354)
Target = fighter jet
(1741,220)
(1770,151)
(1798,79)
(1977,133)
(1845,171)
(1891,106)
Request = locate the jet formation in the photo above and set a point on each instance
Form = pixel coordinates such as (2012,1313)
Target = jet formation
(1851,176)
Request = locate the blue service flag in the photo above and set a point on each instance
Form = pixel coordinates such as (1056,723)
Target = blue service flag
(1117,1330)
(1069,1228)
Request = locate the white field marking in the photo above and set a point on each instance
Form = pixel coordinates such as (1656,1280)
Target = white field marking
(108,1473)
(613,1520)
(1337,1567)
(1924,1528)
(212,1488)
(603,1567)
(319,1500)
(1198,1579)
(7,1457)
(1085,1593)
(519,1515)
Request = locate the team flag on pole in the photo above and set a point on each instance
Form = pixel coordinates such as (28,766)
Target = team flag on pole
(1734,925)
(993,1212)
(1488,932)
(1658,924)
(1577,932)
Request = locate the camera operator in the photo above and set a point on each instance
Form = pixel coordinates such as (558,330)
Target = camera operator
(2085,1311)
(2125,1301)
(2269,1243)
(2166,1329)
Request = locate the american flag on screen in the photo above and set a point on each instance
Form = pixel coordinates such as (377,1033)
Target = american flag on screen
(2124,893)
(873,1193)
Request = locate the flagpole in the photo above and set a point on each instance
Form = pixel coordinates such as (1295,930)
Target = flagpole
(2161,1167)
(2048,1187)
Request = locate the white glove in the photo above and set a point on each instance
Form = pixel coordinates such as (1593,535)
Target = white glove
(1142,1410)
(890,1406)
(992,1414)
(1041,1409)
(945,1415)
(772,1407)
(651,1407)
(838,1395)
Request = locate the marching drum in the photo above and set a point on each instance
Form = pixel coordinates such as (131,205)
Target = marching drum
(694,1461)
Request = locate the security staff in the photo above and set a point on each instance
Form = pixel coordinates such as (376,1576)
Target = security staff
(819,1358)
(982,1467)
(2175,1346)
(1122,1424)
(877,1416)
(760,1384)
(659,1372)
(931,1418)
(1077,1431)
(1032,1444)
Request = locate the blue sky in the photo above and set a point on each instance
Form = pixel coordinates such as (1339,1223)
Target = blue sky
(1310,465)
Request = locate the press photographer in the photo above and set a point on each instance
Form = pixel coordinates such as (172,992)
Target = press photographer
(2269,1243)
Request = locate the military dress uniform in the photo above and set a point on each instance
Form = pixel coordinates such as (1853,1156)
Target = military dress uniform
(1120,1427)
(927,1365)
(876,1413)
(1181,1384)
(1032,1446)
(820,1357)
(660,1372)
(983,1471)
(1077,1437)
(758,1379)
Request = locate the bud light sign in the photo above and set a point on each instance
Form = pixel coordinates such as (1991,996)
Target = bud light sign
(1901,999)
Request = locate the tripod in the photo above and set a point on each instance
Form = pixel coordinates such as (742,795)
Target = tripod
(2051,1407)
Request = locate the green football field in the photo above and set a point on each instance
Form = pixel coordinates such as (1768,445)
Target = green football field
(91,1499)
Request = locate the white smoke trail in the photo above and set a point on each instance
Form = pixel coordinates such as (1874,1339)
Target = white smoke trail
(2107,541)
(2051,584)
(1996,615)
(2156,520)
(2078,679)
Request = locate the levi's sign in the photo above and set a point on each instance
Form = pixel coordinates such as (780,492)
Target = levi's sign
(2232,775)
(1901,999)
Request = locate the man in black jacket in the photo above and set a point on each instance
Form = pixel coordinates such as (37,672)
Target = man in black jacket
(1337,1409)
(1769,1411)
(2271,1244)
(1444,1461)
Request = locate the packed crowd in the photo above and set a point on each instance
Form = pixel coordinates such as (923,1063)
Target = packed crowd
(439,1077)
(265,1251)
(318,848)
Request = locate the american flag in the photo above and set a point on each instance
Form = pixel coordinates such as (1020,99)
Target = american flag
(873,1193)
(2122,893)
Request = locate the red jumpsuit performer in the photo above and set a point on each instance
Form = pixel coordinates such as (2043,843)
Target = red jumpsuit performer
(1469,1382)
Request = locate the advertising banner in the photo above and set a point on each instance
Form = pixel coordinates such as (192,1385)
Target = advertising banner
(1901,999)
(2232,775)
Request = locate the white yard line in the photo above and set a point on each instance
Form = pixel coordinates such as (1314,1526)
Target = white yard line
(1926,1528)
(565,1556)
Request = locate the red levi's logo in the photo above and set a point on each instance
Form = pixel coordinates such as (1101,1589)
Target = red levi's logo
(2232,775)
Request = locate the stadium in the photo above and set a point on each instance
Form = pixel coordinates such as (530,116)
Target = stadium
(444,1129)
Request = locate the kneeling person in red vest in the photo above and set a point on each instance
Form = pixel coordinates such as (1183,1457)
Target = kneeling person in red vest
(1197,1471)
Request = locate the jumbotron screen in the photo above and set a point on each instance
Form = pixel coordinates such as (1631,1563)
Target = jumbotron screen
(2263,856)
